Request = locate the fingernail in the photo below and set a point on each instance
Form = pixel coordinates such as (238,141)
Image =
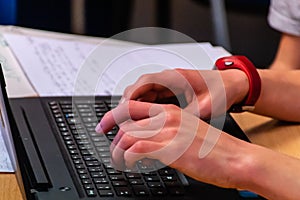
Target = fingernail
(98,128)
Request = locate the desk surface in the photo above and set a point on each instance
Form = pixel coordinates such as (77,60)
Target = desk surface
(279,136)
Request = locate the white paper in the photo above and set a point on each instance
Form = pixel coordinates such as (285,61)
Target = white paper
(49,64)
(67,67)
(17,84)
(5,163)
(124,68)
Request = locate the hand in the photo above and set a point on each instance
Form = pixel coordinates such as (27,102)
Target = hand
(207,93)
(173,136)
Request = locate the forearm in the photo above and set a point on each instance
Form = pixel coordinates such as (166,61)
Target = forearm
(245,166)
(280,95)
(271,174)
(287,57)
(255,168)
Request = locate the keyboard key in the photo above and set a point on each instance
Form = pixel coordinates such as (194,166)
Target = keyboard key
(66,138)
(93,163)
(119,183)
(86,181)
(123,191)
(82,106)
(105,193)
(140,190)
(169,178)
(80,166)
(66,106)
(151,178)
(117,177)
(133,175)
(89,158)
(136,182)
(114,172)
(155,184)
(82,171)
(66,102)
(100,180)
(159,191)
(75,157)
(74,152)
(99,174)
(78,161)
(103,187)
(59,119)
(91,192)
(88,186)
(95,169)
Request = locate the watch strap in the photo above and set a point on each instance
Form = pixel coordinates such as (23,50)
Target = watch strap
(244,64)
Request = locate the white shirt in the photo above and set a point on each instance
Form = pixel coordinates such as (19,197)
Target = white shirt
(284,16)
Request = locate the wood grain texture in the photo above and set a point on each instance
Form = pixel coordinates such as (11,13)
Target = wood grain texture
(9,188)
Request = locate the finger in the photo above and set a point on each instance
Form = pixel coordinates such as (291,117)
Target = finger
(139,129)
(147,92)
(140,150)
(161,84)
(142,86)
(134,110)
(118,149)
(118,136)
(148,124)
(125,140)
(167,146)
(133,131)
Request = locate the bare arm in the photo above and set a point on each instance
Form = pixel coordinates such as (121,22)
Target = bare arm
(280,88)
(270,174)
(288,56)
(280,95)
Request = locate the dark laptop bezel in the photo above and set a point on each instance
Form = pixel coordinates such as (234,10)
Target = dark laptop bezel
(11,136)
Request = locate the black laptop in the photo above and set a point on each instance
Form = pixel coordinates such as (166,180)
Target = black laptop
(58,155)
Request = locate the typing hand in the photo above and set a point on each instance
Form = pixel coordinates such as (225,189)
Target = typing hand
(207,93)
(172,136)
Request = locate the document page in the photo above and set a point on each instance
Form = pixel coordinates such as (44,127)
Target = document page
(57,67)
(5,163)
(49,64)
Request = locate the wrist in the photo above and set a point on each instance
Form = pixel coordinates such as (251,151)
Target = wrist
(245,65)
(236,86)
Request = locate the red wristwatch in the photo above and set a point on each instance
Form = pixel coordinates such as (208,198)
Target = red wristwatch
(244,64)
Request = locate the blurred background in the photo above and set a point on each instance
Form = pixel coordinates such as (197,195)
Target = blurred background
(246,20)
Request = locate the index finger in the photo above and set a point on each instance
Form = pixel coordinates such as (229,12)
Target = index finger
(143,89)
(156,82)
(134,110)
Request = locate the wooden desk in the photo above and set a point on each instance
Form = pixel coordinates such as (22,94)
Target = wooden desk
(279,136)
(9,188)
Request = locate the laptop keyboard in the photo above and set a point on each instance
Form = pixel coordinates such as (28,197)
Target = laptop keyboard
(90,155)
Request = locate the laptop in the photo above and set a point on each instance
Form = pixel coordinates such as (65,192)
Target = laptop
(57,154)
